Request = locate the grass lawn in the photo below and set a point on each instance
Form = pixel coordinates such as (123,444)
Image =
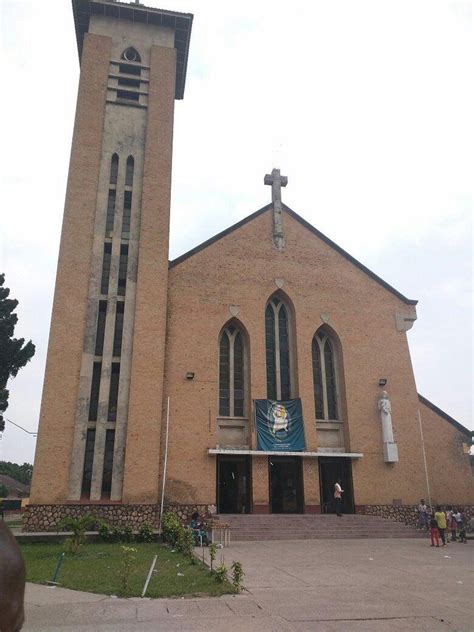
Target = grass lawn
(96,568)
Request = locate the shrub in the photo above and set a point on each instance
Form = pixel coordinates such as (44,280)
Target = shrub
(127,534)
(104,532)
(212,554)
(171,527)
(78,526)
(237,575)
(186,543)
(146,533)
(221,573)
(128,558)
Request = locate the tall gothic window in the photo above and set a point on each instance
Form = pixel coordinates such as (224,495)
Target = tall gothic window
(129,172)
(114,163)
(278,350)
(231,372)
(324,377)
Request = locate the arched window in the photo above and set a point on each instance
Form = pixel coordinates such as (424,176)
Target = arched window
(129,172)
(114,163)
(131,54)
(278,350)
(325,376)
(231,372)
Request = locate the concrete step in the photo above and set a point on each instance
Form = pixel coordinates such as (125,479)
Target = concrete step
(246,527)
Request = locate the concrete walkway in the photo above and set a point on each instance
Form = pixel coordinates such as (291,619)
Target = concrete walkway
(321,585)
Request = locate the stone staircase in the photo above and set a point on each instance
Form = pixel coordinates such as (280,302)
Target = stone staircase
(247,527)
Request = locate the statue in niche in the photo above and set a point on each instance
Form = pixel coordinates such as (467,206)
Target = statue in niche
(385,408)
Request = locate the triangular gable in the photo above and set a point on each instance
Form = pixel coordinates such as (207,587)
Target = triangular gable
(309,227)
(445,416)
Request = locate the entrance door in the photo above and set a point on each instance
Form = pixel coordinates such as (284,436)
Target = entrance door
(233,484)
(330,470)
(286,484)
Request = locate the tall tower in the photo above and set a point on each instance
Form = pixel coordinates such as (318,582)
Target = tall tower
(100,422)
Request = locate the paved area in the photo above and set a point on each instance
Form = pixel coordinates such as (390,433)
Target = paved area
(296,586)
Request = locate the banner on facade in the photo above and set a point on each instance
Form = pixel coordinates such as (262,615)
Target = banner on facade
(279,425)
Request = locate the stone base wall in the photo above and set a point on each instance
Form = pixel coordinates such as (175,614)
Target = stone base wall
(48,517)
(405,513)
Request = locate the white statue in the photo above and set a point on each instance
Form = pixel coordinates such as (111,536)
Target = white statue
(386,417)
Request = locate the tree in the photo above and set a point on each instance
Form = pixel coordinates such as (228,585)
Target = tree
(14,353)
(3,491)
(21,473)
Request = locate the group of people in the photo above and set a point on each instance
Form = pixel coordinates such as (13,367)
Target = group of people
(441,521)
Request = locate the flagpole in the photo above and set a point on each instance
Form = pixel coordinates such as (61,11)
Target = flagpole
(424,460)
(165,461)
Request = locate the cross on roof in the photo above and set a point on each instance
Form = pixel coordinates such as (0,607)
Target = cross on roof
(277,181)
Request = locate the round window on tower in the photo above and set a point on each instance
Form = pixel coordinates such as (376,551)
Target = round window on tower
(130,54)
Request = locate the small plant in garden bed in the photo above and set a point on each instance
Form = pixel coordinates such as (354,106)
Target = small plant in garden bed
(146,533)
(78,526)
(237,575)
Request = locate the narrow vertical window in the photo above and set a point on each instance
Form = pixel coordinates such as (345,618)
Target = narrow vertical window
(95,386)
(127,210)
(231,373)
(317,380)
(114,163)
(325,377)
(238,376)
(99,339)
(123,264)
(278,350)
(109,221)
(88,464)
(129,172)
(108,463)
(330,380)
(113,393)
(270,352)
(117,349)
(224,376)
(104,286)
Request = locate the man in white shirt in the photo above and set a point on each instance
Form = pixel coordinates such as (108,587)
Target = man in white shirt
(338,491)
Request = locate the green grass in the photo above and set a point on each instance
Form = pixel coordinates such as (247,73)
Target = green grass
(96,568)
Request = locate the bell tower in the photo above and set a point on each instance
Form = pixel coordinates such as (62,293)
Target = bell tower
(101,411)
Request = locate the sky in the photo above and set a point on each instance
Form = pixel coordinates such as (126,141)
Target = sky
(365,105)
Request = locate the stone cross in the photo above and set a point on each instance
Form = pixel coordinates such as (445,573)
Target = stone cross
(277,181)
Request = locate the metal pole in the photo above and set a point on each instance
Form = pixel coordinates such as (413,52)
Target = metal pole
(54,582)
(424,460)
(149,576)
(166,461)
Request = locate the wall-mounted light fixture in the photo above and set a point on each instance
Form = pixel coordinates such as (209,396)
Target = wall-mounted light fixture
(382,381)
(190,375)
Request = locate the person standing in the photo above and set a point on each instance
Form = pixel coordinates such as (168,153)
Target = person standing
(440,517)
(434,533)
(422,515)
(338,491)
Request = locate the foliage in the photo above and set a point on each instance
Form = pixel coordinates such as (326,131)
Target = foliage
(186,543)
(3,491)
(221,573)
(146,533)
(104,532)
(171,527)
(96,568)
(21,473)
(127,533)
(237,575)
(128,560)
(78,526)
(14,353)
(212,554)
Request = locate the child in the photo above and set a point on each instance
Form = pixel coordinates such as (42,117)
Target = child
(422,515)
(440,517)
(434,531)
(453,525)
(462,527)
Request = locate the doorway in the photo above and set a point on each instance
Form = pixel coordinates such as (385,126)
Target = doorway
(233,484)
(285,474)
(330,470)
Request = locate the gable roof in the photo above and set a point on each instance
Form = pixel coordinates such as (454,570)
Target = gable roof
(309,227)
(445,416)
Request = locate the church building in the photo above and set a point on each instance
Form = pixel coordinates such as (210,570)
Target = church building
(246,376)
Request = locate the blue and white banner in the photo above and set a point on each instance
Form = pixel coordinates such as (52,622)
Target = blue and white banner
(279,425)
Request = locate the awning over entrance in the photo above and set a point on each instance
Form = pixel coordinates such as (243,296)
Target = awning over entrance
(314,455)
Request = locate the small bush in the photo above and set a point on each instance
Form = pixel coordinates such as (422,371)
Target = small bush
(128,559)
(127,534)
(104,532)
(78,526)
(186,543)
(237,575)
(146,533)
(212,554)
(171,527)
(221,573)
